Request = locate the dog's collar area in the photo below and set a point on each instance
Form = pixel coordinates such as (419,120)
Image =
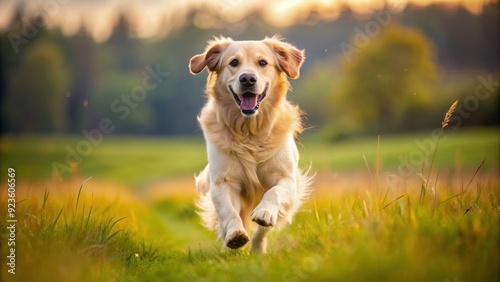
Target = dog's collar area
(248,102)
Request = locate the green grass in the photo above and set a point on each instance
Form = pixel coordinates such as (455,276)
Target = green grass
(130,160)
(349,237)
(461,149)
(139,161)
(350,230)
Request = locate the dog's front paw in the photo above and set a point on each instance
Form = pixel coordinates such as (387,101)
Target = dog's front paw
(264,217)
(236,239)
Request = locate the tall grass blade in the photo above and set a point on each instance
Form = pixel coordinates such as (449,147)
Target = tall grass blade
(385,196)
(478,195)
(116,221)
(45,198)
(435,191)
(423,190)
(316,211)
(79,193)
(450,198)
(367,212)
(107,239)
(56,220)
(445,122)
(78,197)
(394,201)
(368,168)
(88,215)
(474,175)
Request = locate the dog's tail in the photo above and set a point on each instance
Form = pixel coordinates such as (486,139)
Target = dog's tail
(305,180)
(207,212)
(204,204)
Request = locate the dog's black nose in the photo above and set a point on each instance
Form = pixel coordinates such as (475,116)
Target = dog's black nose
(248,80)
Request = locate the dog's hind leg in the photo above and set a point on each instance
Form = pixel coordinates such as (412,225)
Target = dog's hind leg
(259,240)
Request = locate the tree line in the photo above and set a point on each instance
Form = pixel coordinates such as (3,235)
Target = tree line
(359,77)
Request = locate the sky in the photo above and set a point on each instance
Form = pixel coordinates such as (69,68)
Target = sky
(156,18)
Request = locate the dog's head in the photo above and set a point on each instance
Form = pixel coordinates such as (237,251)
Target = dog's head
(247,71)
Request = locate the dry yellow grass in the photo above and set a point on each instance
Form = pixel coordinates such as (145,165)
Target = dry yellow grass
(448,115)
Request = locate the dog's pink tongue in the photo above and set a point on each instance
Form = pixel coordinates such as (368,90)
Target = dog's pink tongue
(248,102)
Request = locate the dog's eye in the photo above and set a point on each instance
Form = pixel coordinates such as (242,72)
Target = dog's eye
(262,63)
(233,63)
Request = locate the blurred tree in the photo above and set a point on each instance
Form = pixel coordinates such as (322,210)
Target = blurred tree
(35,99)
(84,68)
(389,78)
(466,46)
(312,89)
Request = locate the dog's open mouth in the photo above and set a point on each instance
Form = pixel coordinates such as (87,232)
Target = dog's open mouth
(249,102)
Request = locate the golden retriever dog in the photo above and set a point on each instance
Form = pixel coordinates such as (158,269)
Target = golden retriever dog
(249,128)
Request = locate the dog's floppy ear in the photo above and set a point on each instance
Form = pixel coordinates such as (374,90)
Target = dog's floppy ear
(289,58)
(210,58)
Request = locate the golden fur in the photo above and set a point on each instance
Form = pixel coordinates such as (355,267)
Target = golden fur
(249,154)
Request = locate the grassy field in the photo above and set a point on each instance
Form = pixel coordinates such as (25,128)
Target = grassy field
(135,220)
(140,161)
